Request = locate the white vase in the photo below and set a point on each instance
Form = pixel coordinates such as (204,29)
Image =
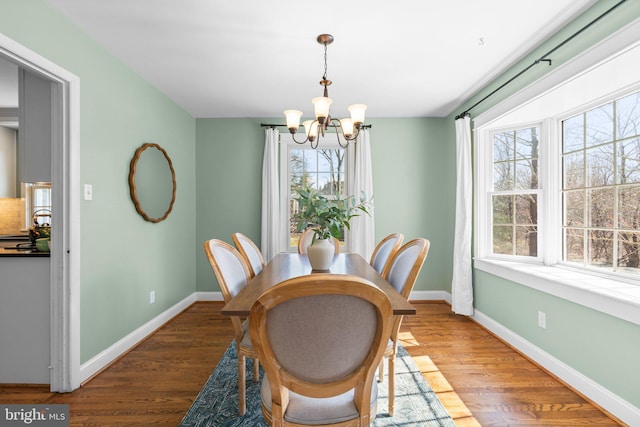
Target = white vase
(321,254)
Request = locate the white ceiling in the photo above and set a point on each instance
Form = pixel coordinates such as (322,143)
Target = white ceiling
(252,58)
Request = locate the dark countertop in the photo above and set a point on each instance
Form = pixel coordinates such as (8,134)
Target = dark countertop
(19,248)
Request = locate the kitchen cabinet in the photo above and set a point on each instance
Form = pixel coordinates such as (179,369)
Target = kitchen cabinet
(34,135)
(25,320)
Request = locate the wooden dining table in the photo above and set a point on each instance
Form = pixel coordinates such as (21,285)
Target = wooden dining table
(288,265)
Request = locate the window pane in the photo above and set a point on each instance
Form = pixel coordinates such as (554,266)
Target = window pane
(325,161)
(600,248)
(573,134)
(503,239)
(527,143)
(503,144)
(326,184)
(527,209)
(527,174)
(629,251)
(527,241)
(298,180)
(628,116)
(629,208)
(629,161)
(342,188)
(503,176)
(573,170)
(574,246)
(600,208)
(503,209)
(574,208)
(599,125)
(296,160)
(600,166)
(309,160)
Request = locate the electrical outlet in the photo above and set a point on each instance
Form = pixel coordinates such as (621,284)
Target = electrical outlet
(542,319)
(152,297)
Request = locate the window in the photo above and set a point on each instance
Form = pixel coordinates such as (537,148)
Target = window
(514,200)
(38,203)
(564,191)
(601,186)
(586,110)
(323,169)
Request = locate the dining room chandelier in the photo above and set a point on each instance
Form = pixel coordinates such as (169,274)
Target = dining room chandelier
(315,129)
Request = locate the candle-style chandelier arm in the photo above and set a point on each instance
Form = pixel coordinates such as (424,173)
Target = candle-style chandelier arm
(348,137)
(347,133)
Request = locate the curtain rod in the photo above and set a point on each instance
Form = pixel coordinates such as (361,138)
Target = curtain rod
(269,125)
(543,58)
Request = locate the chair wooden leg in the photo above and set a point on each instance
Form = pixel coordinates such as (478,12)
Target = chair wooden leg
(392,383)
(381,370)
(256,369)
(242,405)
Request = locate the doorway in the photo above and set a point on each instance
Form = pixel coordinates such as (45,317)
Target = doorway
(65,224)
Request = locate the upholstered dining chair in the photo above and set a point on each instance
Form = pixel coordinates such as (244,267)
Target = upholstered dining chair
(320,338)
(250,252)
(307,237)
(405,265)
(232,272)
(384,251)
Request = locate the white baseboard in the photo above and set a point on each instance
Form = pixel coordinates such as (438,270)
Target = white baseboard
(430,296)
(209,296)
(109,355)
(603,397)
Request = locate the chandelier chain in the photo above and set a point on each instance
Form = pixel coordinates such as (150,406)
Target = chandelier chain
(324,76)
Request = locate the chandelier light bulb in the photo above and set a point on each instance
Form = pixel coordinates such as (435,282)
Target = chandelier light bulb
(321,106)
(347,127)
(357,113)
(311,129)
(292,118)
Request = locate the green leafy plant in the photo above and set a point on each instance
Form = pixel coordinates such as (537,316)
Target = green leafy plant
(328,217)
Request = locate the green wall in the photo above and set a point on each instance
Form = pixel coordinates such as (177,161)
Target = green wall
(123,257)
(412,179)
(601,347)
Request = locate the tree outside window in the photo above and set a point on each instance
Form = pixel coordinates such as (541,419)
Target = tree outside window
(322,170)
(514,200)
(601,186)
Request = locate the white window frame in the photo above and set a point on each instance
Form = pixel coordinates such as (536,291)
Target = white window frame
(617,276)
(287,143)
(614,296)
(485,191)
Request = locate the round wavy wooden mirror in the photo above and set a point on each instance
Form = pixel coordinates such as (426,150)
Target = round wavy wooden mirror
(152,182)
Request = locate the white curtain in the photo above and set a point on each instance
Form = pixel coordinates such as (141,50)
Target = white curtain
(461,285)
(361,237)
(270,197)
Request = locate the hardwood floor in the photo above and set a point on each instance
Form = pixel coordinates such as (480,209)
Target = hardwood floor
(479,379)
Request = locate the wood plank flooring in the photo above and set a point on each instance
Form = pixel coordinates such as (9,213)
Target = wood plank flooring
(480,380)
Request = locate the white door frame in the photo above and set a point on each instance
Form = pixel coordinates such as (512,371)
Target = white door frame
(65,223)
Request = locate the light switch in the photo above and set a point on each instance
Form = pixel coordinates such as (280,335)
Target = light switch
(88,192)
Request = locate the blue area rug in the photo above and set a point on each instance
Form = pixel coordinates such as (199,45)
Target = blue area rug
(217,403)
